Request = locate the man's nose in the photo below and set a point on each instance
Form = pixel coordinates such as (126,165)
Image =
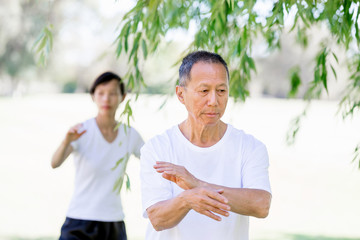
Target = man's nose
(212,101)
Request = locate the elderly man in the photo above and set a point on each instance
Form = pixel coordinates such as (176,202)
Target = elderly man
(203,178)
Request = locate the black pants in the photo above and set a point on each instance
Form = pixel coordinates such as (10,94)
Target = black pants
(76,229)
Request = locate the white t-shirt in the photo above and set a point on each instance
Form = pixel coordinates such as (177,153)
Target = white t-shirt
(94,158)
(238,160)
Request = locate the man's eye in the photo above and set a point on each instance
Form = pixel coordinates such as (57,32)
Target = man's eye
(204,90)
(222,90)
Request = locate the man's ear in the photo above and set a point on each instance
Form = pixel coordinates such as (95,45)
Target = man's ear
(180,93)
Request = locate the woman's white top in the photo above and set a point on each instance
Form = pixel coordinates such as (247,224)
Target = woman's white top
(94,197)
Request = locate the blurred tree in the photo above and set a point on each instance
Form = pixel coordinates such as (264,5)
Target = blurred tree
(230,28)
(19,23)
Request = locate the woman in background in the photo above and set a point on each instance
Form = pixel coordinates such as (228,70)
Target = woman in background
(95,211)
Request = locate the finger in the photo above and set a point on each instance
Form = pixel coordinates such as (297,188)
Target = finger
(211,215)
(159,169)
(169,177)
(76,128)
(166,164)
(165,169)
(214,204)
(157,166)
(82,133)
(218,211)
(163,163)
(72,129)
(217,196)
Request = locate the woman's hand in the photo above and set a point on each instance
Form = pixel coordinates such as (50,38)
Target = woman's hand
(65,148)
(73,134)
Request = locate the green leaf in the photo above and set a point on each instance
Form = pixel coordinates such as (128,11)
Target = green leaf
(128,187)
(356,155)
(127,113)
(135,46)
(335,57)
(117,163)
(251,63)
(37,41)
(144,48)
(43,45)
(295,81)
(118,49)
(295,126)
(333,70)
(118,185)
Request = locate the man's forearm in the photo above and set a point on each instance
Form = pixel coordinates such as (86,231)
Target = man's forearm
(167,214)
(204,200)
(245,201)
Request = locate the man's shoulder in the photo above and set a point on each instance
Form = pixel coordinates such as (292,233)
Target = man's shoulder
(161,141)
(245,138)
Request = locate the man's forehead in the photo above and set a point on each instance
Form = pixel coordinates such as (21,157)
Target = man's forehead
(206,84)
(204,63)
(208,68)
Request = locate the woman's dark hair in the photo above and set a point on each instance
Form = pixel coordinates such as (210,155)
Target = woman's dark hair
(107,77)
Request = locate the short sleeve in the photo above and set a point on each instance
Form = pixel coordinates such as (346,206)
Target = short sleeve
(255,173)
(137,143)
(154,188)
(75,145)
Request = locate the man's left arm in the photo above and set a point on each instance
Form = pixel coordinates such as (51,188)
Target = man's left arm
(244,201)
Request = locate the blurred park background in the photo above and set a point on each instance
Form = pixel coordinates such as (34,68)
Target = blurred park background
(315,183)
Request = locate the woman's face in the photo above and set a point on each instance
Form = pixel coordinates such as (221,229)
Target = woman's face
(107,97)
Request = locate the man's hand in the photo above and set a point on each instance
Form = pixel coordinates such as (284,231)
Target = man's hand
(207,201)
(250,202)
(204,200)
(177,174)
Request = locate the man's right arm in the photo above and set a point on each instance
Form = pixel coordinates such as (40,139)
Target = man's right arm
(167,214)
(164,209)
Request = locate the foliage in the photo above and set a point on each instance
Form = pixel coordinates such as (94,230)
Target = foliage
(69,87)
(230,28)
(119,182)
(125,116)
(43,45)
(16,56)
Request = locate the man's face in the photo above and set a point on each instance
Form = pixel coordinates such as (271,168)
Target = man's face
(206,93)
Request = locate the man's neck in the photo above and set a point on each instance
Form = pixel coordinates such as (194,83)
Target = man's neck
(203,136)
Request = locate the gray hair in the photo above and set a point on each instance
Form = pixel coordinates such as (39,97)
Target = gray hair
(194,57)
